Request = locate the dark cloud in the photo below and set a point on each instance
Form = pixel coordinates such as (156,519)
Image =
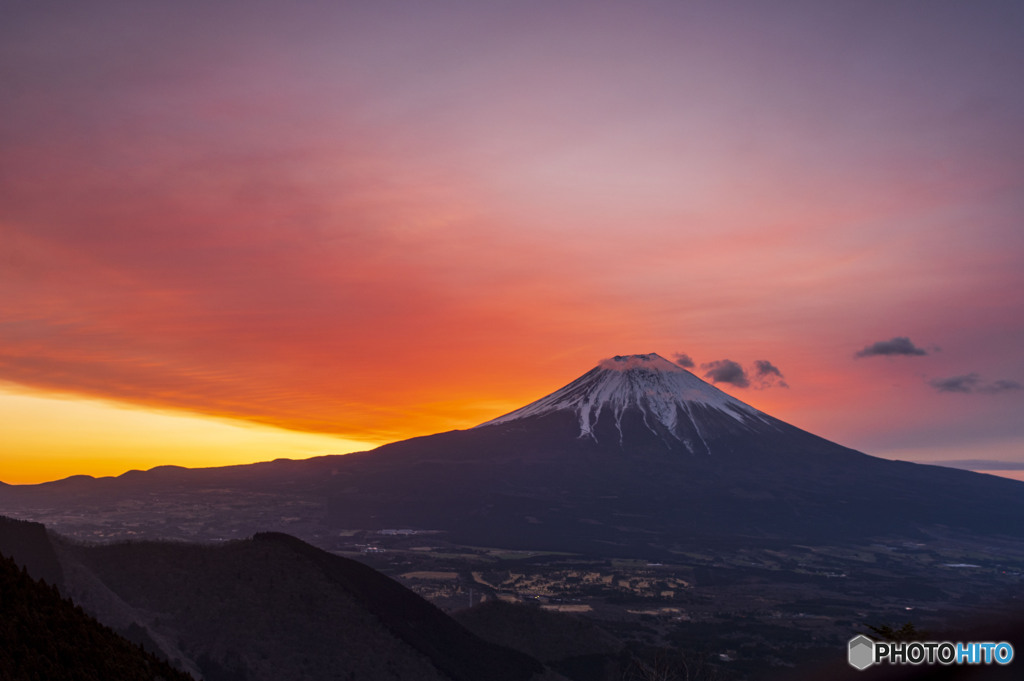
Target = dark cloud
(768,375)
(899,345)
(683,360)
(972,383)
(956,384)
(762,375)
(765,368)
(726,371)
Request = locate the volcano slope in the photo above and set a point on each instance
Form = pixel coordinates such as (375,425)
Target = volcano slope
(639,454)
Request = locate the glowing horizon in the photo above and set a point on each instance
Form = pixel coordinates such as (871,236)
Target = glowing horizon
(102,439)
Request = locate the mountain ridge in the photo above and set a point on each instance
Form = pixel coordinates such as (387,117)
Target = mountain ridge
(648,471)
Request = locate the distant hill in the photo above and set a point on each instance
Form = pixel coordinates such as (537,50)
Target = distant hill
(44,636)
(272,607)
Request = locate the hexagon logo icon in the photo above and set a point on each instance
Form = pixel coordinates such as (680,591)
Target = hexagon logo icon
(861,654)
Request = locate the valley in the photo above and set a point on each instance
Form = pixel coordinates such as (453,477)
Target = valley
(743,606)
(742,603)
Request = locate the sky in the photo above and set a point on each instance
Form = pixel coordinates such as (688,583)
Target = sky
(234,232)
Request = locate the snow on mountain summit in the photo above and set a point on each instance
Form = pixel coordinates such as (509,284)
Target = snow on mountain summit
(651,361)
(672,400)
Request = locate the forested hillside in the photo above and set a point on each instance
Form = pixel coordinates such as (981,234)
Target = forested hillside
(45,637)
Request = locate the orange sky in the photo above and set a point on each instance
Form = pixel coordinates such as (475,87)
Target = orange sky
(235,232)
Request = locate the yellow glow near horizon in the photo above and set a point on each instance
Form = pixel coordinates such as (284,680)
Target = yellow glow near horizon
(47,438)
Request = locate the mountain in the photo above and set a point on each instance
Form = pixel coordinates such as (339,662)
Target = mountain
(636,457)
(639,454)
(274,607)
(44,636)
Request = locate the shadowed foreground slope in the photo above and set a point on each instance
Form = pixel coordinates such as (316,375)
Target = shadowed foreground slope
(272,607)
(44,636)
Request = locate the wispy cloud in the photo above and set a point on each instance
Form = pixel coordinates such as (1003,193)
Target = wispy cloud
(973,383)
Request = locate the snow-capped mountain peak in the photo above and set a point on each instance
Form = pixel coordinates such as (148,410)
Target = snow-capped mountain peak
(671,400)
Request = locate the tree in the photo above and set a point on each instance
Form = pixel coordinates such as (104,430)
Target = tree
(908,632)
